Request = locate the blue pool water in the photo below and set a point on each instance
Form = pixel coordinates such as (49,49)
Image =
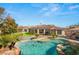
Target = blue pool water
(39,48)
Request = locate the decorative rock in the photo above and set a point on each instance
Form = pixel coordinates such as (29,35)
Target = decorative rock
(58,49)
(60,46)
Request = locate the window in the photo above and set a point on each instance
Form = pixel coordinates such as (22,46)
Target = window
(59,32)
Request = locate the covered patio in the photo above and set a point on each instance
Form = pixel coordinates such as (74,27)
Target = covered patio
(44,29)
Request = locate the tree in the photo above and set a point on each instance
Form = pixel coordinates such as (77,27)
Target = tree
(1,10)
(1,15)
(7,24)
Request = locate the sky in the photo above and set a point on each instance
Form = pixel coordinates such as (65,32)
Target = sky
(59,14)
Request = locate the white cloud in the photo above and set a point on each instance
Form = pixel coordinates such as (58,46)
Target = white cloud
(66,13)
(48,11)
(73,7)
(55,9)
(44,9)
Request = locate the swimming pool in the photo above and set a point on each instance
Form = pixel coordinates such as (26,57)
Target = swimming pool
(39,47)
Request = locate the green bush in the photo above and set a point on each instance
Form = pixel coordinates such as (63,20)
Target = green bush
(36,35)
(53,34)
(6,39)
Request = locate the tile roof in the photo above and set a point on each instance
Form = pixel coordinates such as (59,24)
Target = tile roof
(77,28)
(51,27)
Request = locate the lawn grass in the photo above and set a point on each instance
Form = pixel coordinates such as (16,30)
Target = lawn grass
(27,34)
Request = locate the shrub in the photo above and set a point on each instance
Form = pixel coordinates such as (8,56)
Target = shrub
(53,34)
(6,39)
(36,35)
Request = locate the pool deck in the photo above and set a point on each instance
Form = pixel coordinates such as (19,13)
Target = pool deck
(15,51)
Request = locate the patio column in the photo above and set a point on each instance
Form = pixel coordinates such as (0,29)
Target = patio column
(44,31)
(37,31)
(23,30)
(0,31)
(27,30)
(63,33)
(56,32)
